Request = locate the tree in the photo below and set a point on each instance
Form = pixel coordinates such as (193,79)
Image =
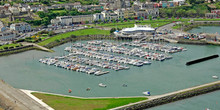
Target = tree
(142,19)
(150,17)
(180,12)
(112,30)
(114,21)
(191,13)
(87,22)
(99,20)
(158,17)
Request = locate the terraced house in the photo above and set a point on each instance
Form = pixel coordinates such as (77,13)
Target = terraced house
(21,27)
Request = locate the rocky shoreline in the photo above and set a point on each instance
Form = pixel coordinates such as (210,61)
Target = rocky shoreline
(173,97)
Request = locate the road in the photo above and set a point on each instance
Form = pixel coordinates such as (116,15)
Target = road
(169,27)
(14,99)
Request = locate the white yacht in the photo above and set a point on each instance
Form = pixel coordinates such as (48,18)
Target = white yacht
(102,85)
(215,77)
(146,93)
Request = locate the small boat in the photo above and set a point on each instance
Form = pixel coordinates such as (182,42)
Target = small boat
(124,85)
(88,89)
(147,93)
(70,90)
(102,85)
(215,77)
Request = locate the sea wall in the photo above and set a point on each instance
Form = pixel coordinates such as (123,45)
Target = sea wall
(76,38)
(16,50)
(200,23)
(193,42)
(173,97)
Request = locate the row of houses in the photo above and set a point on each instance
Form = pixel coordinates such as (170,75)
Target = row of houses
(10,33)
(109,15)
(119,4)
(213,14)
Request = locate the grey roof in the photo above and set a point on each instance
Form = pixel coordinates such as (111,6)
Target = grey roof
(1,25)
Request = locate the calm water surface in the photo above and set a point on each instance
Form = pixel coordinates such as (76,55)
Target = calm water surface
(210,100)
(24,71)
(205,29)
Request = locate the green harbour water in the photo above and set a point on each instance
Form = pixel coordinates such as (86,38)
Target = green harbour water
(23,71)
(202,102)
(205,29)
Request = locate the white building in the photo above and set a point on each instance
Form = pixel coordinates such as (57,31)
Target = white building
(14,10)
(136,30)
(2,27)
(7,35)
(120,14)
(81,19)
(30,1)
(110,15)
(181,2)
(77,5)
(21,27)
(62,20)
(98,16)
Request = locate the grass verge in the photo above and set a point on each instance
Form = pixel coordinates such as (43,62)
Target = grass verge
(69,103)
(76,33)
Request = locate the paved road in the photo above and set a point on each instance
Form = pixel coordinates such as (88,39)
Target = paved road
(14,99)
(169,27)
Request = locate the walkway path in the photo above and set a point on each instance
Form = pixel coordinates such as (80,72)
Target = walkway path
(169,27)
(168,94)
(36,45)
(31,91)
(14,99)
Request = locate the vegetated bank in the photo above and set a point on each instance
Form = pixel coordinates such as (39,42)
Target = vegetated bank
(203,89)
(85,34)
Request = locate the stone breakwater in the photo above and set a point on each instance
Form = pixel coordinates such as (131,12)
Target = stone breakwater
(16,50)
(171,97)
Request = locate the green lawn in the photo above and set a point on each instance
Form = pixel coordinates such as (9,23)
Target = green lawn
(208,19)
(154,23)
(69,103)
(9,45)
(76,33)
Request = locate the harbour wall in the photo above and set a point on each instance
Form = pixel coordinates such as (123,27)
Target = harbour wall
(193,42)
(196,24)
(16,50)
(172,97)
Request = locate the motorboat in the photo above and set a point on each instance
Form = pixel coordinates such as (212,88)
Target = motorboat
(102,85)
(215,77)
(147,93)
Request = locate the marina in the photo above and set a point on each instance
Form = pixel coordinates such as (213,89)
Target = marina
(94,57)
(46,77)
